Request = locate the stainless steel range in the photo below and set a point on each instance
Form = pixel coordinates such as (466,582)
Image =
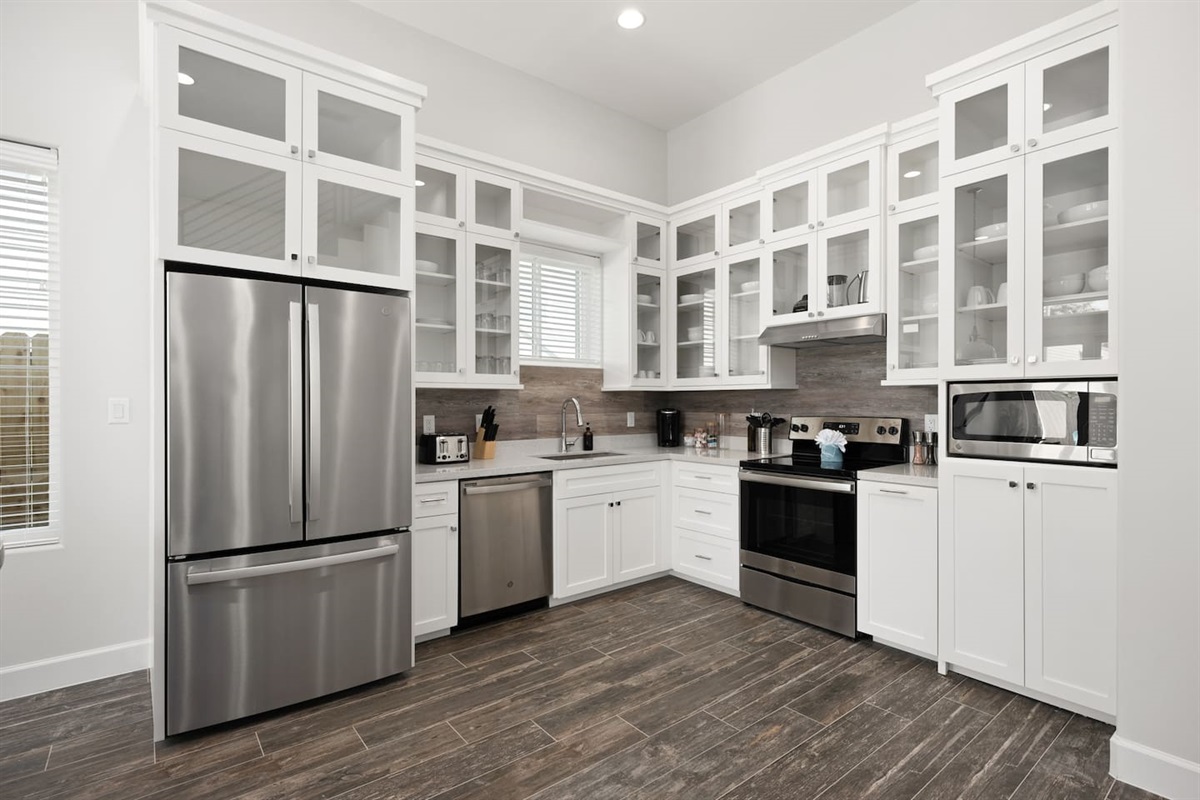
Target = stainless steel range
(799,520)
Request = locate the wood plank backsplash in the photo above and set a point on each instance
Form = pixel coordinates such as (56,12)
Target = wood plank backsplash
(835,380)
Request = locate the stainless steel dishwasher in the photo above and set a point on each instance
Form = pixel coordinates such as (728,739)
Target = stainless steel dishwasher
(504,542)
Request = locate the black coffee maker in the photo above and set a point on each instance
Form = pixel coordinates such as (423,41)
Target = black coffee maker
(670,427)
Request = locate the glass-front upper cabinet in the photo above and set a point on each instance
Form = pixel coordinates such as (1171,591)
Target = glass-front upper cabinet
(229,206)
(745,358)
(848,189)
(1070,300)
(356,230)
(912,255)
(222,92)
(358,131)
(790,206)
(441,194)
(648,241)
(848,281)
(694,238)
(493,205)
(492,352)
(439,305)
(695,297)
(649,289)
(913,173)
(792,276)
(982,122)
(742,219)
(982,271)
(1069,92)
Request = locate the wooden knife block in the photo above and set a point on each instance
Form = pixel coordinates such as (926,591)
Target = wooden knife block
(483,449)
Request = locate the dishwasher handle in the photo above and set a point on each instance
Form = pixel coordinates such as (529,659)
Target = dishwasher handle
(503,488)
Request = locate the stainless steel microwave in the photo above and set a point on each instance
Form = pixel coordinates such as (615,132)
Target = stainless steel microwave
(1072,422)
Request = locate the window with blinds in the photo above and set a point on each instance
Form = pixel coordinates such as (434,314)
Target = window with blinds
(559,308)
(30,499)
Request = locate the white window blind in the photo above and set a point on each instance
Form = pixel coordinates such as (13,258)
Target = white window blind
(30,486)
(559,307)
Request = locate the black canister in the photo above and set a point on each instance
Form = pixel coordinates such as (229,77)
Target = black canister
(670,425)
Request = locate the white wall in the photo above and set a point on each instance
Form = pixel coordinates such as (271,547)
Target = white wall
(1158,670)
(479,103)
(876,76)
(69,77)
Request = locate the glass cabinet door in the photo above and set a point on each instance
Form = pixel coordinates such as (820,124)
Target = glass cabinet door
(695,295)
(494,309)
(982,271)
(790,207)
(743,224)
(1070,92)
(913,173)
(913,294)
(229,206)
(695,238)
(848,270)
(848,189)
(1068,325)
(744,318)
(355,229)
(218,91)
(441,195)
(793,269)
(981,123)
(649,287)
(438,350)
(648,241)
(357,131)
(493,205)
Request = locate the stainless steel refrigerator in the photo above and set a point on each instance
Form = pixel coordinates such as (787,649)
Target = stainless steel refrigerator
(289,498)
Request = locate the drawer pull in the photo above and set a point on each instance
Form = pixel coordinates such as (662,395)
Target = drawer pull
(703,477)
(704,558)
(893,491)
(433,499)
(702,511)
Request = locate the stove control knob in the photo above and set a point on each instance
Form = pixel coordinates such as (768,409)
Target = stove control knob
(804,429)
(881,430)
(795,427)
(893,430)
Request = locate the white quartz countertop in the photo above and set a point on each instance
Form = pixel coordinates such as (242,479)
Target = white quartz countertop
(910,474)
(516,460)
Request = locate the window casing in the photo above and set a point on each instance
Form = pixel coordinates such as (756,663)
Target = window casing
(559,308)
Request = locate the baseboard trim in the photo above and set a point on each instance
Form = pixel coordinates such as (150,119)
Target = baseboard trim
(1153,770)
(34,677)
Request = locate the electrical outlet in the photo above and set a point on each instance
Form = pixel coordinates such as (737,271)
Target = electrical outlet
(931,423)
(428,424)
(118,411)
(629,420)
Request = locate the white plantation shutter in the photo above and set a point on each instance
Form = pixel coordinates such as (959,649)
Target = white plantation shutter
(559,307)
(30,479)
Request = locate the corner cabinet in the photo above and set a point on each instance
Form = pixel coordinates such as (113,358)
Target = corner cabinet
(1028,568)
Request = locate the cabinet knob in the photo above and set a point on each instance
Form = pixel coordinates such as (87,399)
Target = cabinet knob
(1012,484)
(295,149)
(312,153)
(1031,485)
(1032,359)
(811,226)
(891,206)
(295,256)
(610,505)
(716,252)
(891,367)
(762,241)
(1032,142)
(462,370)
(462,224)
(820,313)
(811,314)
(516,234)
(312,259)
(1016,148)
(1015,359)
(454,529)
(619,502)
(820,223)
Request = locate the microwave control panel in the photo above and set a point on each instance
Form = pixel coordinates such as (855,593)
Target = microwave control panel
(1102,420)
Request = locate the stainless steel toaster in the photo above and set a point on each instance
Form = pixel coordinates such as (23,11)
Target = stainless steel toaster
(442,448)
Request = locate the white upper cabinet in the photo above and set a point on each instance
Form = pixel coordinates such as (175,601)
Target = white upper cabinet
(649,342)
(357,131)
(694,237)
(493,205)
(441,322)
(982,122)
(912,173)
(743,225)
(1069,92)
(441,197)
(912,298)
(744,357)
(226,93)
(492,356)
(848,270)
(848,189)
(647,241)
(790,206)
(695,324)
(791,279)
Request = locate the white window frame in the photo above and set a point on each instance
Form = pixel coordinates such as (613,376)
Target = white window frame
(555,257)
(44,160)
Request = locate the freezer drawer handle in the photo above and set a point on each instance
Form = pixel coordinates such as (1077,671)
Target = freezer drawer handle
(222,575)
(501,488)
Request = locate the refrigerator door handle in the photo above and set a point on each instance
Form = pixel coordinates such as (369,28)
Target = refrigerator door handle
(314,412)
(295,411)
(223,575)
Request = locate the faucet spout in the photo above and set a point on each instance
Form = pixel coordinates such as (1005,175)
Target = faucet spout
(564,445)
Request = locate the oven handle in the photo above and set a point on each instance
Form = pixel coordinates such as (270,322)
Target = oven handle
(817,484)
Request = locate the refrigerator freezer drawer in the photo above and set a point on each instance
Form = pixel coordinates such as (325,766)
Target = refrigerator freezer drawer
(252,633)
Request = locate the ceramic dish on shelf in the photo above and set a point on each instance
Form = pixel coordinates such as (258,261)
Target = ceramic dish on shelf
(991,231)
(1060,287)
(428,266)
(1084,211)
(1097,279)
(928,251)
(690,298)
(750,286)
(643,298)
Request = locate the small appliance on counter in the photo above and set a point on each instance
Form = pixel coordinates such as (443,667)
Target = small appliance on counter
(670,427)
(442,448)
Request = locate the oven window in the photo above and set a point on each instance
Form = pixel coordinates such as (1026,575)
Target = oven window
(805,526)
(1031,417)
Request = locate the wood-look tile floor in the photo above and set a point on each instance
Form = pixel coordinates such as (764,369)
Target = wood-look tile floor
(662,690)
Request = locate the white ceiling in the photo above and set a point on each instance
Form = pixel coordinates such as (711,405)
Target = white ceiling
(690,56)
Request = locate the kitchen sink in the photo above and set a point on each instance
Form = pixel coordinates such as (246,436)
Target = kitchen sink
(579,456)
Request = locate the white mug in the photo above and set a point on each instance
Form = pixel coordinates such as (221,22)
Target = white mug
(979,296)
(643,374)
(641,336)
(650,337)
(1002,294)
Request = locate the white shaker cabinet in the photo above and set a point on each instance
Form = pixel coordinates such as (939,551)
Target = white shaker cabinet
(897,564)
(441,196)
(357,131)
(583,546)
(493,205)
(435,558)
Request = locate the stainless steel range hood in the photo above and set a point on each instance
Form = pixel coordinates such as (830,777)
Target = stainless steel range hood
(826,332)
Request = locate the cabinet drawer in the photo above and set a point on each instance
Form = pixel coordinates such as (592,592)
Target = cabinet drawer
(432,499)
(706,512)
(602,480)
(707,478)
(706,557)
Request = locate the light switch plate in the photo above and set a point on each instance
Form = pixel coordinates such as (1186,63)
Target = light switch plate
(931,423)
(118,411)
(428,424)
(629,420)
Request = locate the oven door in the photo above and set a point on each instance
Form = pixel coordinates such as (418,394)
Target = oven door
(800,528)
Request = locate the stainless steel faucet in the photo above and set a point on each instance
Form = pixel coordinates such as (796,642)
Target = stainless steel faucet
(563,445)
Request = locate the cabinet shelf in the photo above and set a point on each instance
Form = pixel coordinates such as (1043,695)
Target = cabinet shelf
(695,343)
(922,266)
(648,305)
(1087,234)
(736,295)
(695,304)
(482,282)
(436,277)
(744,337)
(493,331)
(991,251)
(992,312)
(435,326)
(648,344)
(920,318)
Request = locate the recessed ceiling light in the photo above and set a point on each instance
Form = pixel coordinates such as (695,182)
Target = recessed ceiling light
(913,173)
(420,182)
(631,18)
(1047,106)
(185,79)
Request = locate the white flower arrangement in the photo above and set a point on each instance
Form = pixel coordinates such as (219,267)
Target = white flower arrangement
(831,437)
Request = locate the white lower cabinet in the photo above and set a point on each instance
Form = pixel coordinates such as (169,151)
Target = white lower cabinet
(606,537)
(704,524)
(897,565)
(435,558)
(1028,577)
